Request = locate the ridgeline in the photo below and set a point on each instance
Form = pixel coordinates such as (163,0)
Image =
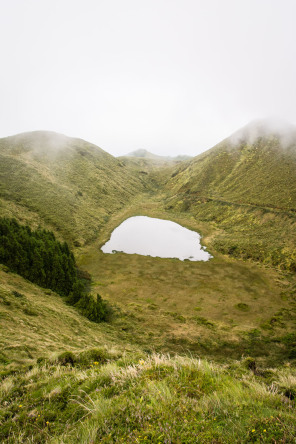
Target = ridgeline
(194,351)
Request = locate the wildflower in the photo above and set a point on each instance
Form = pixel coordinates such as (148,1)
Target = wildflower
(264,430)
(141,361)
(20,405)
(96,363)
(253,430)
(47,422)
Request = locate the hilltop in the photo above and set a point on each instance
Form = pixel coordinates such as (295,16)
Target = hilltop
(246,187)
(66,184)
(144,154)
(255,165)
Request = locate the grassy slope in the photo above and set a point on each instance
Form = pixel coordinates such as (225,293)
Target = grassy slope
(169,305)
(36,322)
(248,193)
(155,399)
(117,393)
(66,184)
(262,173)
(162,305)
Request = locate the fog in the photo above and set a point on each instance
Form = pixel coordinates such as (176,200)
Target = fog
(273,126)
(169,76)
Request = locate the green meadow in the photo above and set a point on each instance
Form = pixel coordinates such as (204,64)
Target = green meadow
(193,352)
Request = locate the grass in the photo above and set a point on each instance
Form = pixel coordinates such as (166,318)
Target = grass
(37,322)
(67,185)
(157,298)
(139,378)
(153,399)
(247,193)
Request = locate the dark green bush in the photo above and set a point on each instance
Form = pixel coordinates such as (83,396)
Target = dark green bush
(17,294)
(93,355)
(250,364)
(292,353)
(243,307)
(40,258)
(66,358)
(96,310)
(37,256)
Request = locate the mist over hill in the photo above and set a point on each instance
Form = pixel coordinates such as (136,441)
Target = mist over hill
(256,165)
(246,186)
(238,309)
(68,184)
(142,153)
(266,128)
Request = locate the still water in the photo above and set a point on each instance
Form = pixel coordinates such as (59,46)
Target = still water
(148,236)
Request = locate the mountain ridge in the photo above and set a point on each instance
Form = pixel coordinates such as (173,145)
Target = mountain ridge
(72,184)
(256,173)
(142,153)
(237,310)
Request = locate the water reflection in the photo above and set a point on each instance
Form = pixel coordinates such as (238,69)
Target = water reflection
(148,236)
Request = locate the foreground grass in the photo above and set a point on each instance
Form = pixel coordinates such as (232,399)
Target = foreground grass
(37,322)
(152,399)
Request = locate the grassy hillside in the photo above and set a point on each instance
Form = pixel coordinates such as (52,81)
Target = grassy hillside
(66,184)
(81,382)
(224,307)
(261,173)
(246,188)
(36,322)
(139,377)
(154,399)
(84,382)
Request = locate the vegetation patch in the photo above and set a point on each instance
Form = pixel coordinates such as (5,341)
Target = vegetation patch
(155,399)
(242,306)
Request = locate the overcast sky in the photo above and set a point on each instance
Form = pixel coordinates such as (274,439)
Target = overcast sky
(169,76)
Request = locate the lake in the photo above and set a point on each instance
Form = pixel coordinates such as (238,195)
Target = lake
(148,236)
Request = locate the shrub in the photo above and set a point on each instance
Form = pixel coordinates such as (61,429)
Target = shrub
(292,353)
(66,358)
(37,256)
(250,364)
(17,294)
(93,355)
(96,310)
(243,307)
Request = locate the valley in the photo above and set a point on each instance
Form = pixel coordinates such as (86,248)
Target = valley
(208,308)
(180,332)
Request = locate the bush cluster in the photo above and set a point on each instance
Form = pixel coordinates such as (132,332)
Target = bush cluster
(39,257)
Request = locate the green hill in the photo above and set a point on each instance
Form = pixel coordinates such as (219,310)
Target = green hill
(250,167)
(143,376)
(246,187)
(66,184)
(66,379)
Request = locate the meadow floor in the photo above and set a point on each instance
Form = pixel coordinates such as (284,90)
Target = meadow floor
(223,307)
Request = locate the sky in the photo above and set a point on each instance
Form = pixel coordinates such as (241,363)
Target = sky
(169,76)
